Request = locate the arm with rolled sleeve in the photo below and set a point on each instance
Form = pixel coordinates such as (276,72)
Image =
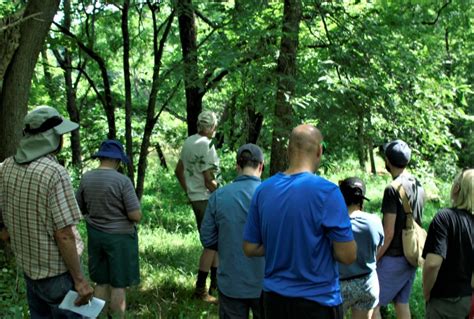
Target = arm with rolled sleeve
(253,243)
(338,228)
(209,229)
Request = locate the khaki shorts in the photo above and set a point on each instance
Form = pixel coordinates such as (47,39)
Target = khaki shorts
(199,208)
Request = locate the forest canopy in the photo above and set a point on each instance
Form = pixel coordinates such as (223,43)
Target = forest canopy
(364,72)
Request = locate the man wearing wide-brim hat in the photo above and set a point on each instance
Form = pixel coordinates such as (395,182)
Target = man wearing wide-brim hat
(38,207)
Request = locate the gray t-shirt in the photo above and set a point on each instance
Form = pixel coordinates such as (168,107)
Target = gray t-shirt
(368,234)
(105,197)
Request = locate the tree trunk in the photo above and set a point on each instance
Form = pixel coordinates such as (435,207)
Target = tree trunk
(128,89)
(286,73)
(373,169)
(255,122)
(48,78)
(161,156)
(361,154)
(17,78)
(151,119)
(106,97)
(187,35)
(71,97)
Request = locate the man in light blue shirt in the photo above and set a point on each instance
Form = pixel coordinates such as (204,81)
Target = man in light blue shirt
(239,278)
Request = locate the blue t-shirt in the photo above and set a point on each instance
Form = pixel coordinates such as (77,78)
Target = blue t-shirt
(296,217)
(368,234)
(238,276)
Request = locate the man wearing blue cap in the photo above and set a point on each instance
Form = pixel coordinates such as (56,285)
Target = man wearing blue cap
(40,212)
(396,274)
(111,208)
(240,278)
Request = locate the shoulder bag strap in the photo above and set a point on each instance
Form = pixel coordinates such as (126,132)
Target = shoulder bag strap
(403,195)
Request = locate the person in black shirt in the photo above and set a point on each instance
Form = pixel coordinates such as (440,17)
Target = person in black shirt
(449,254)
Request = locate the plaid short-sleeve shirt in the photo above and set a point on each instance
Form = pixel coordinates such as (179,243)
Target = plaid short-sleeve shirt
(36,199)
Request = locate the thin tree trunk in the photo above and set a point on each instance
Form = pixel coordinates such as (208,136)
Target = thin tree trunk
(71,97)
(151,119)
(286,73)
(373,169)
(187,35)
(17,78)
(255,122)
(361,140)
(128,89)
(370,144)
(161,156)
(106,97)
(48,78)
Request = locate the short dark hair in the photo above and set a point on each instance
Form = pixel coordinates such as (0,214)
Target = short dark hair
(246,159)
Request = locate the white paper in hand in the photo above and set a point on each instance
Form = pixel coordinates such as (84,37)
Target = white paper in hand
(90,310)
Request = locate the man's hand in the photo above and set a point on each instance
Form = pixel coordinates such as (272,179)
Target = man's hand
(85,292)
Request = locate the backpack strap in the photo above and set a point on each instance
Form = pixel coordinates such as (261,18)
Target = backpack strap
(403,195)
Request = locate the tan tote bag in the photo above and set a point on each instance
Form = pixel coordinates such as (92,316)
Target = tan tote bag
(413,236)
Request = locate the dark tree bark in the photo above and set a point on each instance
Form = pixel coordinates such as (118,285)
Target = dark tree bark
(151,119)
(128,89)
(65,62)
(187,35)
(361,149)
(286,73)
(161,156)
(255,122)
(17,78)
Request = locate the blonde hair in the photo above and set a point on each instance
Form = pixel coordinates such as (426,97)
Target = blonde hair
(462,194)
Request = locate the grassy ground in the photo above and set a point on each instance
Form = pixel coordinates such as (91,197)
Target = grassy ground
(169,249)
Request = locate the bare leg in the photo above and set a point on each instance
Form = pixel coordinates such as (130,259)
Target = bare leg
(361,314)
(117,302)
(376,313)
(103,292)
(205,262)
(402,310)
(215,261)
(207,259)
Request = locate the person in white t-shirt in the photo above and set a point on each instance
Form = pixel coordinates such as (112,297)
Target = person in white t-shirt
(196,172)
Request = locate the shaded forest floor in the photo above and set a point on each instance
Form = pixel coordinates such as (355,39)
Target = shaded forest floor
(170,248)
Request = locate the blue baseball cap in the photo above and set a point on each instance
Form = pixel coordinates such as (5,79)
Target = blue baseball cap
(111,149)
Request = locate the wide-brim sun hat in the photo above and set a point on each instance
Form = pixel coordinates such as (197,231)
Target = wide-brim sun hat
(42,132)
(112,149)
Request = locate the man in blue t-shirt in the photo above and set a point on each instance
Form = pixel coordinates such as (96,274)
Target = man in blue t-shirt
(299,222)
(239,278)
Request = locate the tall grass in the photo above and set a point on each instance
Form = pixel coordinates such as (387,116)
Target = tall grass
(170,248)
